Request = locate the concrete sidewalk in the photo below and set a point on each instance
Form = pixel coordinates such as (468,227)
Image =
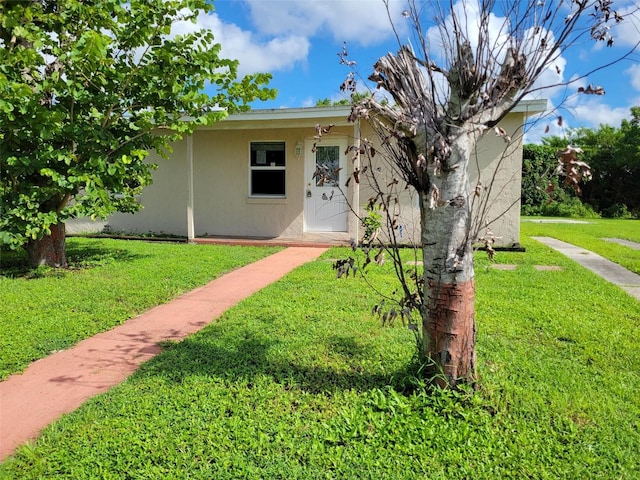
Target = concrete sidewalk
(61,382)
(610,271)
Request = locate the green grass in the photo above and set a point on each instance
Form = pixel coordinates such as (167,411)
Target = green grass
(109,281)
(299,381)
(590,236)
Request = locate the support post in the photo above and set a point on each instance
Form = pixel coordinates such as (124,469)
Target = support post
(190,220)
(354,222)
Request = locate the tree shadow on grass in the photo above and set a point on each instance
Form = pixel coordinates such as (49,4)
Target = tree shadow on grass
(245,356)
(84,256)
(14,263)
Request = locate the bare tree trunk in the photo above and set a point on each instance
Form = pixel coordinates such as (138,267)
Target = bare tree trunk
(50,250)
(448,314)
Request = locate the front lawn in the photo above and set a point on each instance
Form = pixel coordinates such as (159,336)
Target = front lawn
(108,282)
(299,381)
(590,235)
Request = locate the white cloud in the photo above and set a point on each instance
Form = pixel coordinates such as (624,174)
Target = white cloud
(550,83)
(580,110)
(254,55)
(360,21)
(594,112)
(309,102)
(634,73)
(282,30)
(468,12)
(276,54)
(590,110)
(627,32)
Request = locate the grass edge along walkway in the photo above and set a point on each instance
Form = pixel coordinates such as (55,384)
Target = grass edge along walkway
(61,382)
(610,271)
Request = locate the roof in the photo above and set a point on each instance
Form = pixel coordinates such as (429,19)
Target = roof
(285,118)
(310,116)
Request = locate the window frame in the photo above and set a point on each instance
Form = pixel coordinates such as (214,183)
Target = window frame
(267,168)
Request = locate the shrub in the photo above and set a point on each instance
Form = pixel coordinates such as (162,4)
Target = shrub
(618,210)
(570,207)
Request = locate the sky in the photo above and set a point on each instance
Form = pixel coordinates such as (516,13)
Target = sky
(298,42)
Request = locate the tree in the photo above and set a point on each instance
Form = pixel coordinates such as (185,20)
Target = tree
(87,91)
(462,76)
(614,154)
(538,166)
(355,97)
(544,190)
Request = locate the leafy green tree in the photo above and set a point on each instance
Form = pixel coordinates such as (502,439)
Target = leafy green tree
(355,97)
(614,156)
(325,102)
(539,163)
(87,90)
(544,190)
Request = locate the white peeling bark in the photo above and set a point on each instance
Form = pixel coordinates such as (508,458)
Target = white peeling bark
(449,292)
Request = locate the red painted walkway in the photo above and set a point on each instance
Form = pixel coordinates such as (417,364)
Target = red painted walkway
(61,382)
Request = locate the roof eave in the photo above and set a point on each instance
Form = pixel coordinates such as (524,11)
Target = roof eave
(310,116)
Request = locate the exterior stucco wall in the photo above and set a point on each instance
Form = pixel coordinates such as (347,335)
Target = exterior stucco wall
(164,202)
(495,163)
(222,204)
(500,169)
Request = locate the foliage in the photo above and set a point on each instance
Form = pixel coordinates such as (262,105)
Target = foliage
(614,156)
(540,184)
(538,163)
(570,207)
(372,223)
(46,309)
(292,384)
(87,90)
(617,210)
(355,97)
(545,191)
(326,102)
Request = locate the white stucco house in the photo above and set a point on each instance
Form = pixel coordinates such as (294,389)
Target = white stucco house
(251,176)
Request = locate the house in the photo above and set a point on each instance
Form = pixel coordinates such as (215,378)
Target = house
(251,176)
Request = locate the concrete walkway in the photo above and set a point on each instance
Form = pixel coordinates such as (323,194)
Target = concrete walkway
(61,382)
(623,242)
(610,271)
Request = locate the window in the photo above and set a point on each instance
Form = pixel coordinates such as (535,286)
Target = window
(328,165)
(267,169)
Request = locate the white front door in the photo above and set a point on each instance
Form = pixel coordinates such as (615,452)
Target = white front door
(326,208)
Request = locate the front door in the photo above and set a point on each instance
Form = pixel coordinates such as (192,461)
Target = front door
(326,208)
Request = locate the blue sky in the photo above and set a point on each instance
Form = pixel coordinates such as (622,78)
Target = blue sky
(297,41)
